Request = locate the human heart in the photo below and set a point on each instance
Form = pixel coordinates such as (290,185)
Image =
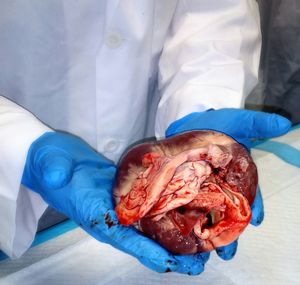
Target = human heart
(190,193)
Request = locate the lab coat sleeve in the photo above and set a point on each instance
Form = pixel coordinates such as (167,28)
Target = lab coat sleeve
(210,58)
(20,209)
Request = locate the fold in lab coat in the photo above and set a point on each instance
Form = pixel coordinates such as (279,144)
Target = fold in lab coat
(111,72)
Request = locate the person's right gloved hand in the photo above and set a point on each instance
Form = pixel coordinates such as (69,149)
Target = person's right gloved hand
(77,181)
(242,126)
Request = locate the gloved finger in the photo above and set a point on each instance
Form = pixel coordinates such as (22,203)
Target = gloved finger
(257,209)
(192,264)
(129,240)
(253,124)
(227,252)
(234,122)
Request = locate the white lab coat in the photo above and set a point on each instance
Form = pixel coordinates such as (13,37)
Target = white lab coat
(111,72)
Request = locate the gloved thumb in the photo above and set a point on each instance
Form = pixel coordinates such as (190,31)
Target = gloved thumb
(263,125)
(55,167)
(47,167)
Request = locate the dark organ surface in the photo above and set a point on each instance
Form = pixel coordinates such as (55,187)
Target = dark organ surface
(191,193)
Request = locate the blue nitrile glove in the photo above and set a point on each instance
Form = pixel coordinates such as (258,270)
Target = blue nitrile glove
(243,126)
(77,181)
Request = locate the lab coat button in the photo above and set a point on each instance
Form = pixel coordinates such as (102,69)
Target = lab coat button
(111,145)
(113,40)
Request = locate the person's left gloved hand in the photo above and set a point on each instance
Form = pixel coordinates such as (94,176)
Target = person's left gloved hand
(77,181)
(242,126)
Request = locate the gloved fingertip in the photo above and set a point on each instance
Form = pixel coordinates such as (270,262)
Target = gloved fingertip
(192,264)
(257,220)
(170,265)
(265,125)
(227,252)
(55,178)
(57,172)
(257,209)
(279,124)
(195,273)
(205,255)
(191,270)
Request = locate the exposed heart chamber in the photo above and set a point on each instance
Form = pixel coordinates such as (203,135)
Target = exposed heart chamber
(191,193)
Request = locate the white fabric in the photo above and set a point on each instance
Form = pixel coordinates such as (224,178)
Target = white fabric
(91,68)
(19,209)
(210,58)
(268,254)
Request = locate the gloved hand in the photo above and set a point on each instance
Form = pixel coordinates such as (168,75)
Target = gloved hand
(77,181)
(242,126)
